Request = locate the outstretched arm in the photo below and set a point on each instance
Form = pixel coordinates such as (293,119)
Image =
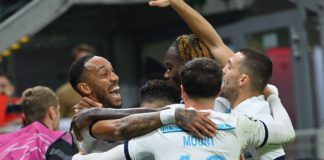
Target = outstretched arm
(140,124)
(90,116)
(201,27)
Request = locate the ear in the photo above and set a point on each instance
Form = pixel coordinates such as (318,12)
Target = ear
(84,88)
(244,80)
(52,113)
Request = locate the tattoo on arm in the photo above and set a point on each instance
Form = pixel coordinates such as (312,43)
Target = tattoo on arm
(185,116)
(109,113)
(138,124)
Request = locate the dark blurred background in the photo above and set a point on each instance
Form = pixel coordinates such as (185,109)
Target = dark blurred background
(37,36)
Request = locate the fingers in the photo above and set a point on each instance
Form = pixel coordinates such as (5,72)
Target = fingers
(209,123)
(159,3)
(205,125)
(202,130)
(196,132)
(85,101)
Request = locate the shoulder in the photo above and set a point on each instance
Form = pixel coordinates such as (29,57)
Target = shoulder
(175,106)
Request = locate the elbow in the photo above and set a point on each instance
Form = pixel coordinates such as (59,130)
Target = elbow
(108,131)
(117,134)
(291,136)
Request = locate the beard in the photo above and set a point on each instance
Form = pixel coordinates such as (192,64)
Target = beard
(106,103)
(102,98)
(230,93)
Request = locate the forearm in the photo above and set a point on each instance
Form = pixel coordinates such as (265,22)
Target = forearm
(109,113)
(281,130)
(127,127)
(204,30)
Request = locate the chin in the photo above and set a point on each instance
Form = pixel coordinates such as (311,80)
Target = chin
(118,104)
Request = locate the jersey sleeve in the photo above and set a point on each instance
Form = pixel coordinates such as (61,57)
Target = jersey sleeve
(87,144)
(141,148)
(115,154)
(281,130)
(251,132)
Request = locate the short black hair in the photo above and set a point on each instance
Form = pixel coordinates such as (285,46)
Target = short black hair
(76,70)
(258,66)
(160,90)
(201,78)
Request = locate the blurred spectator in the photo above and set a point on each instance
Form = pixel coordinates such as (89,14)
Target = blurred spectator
(10,111)
(42,115)
(66,94)
(159,93)
(6,87)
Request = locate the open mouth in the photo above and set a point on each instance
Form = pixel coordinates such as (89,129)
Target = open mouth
(115,91)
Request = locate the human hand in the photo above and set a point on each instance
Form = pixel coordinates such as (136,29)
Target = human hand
(86,103)
(267,92)
(196,122)
(159,3)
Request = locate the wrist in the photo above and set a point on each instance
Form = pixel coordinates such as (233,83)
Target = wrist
(167,116)
(271,97)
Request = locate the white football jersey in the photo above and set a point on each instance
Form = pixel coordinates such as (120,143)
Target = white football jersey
(257,108)
(171,142)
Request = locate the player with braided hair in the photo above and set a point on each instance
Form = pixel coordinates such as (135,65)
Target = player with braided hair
(190,47)
(245,74)
(182,50)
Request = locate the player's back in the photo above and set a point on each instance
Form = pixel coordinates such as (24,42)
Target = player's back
(171,142)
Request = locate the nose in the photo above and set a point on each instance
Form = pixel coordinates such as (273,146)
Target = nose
(167,75)
(224,70)
(114,77)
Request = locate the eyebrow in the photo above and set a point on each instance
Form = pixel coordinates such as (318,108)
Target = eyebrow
(100,67)
(229,62)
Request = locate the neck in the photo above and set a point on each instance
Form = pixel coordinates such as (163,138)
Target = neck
(244,95)
(200,103)
(48,123)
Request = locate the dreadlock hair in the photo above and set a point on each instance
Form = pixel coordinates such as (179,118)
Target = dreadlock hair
(189,47)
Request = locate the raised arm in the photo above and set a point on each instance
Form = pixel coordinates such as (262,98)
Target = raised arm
(201,27)
(281,131)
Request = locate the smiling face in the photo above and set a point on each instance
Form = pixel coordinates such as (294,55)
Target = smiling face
(173,63)
(103,82)
(231,77)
